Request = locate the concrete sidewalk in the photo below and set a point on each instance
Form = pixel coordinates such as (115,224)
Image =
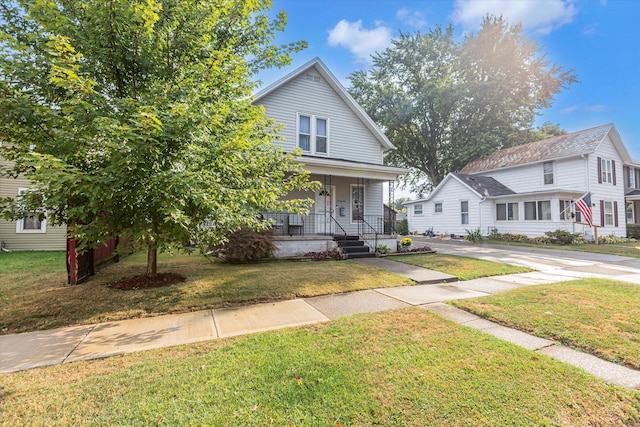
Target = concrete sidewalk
(42,348)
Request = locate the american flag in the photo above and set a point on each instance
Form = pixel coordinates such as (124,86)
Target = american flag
(584,206)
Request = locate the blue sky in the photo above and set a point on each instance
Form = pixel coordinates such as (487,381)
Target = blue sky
(599,40)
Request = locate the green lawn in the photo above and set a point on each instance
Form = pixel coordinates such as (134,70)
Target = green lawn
(397,368)
(34,294)
(599,316)
(462,267)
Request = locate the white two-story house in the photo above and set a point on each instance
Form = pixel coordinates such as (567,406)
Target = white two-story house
(529,189)
(343,149)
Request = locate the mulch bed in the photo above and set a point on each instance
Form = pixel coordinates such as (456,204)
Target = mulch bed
(147,282)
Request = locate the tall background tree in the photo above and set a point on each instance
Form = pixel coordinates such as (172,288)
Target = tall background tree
(444,103)
(134,117)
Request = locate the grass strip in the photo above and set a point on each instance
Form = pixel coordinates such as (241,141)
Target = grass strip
(601,317)
(462,267)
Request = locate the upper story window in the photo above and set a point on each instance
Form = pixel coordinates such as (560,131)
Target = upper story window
(417,209)
(313,134)
(547,171)
(631,177)
(437,207)
(606,171)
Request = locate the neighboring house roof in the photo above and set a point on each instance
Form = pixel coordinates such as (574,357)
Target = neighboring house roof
(322,69)
(484,185)
(563,146)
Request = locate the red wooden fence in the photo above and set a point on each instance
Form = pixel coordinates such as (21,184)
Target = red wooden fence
(81,266)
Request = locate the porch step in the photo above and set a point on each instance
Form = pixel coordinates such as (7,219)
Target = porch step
(353,247)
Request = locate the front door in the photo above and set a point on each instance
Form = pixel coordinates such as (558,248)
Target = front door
(325,201)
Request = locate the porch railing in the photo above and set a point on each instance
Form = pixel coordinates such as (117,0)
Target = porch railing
(290,224)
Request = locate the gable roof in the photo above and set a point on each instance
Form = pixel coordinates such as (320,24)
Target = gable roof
(482,186)
(328,76)
(563,146)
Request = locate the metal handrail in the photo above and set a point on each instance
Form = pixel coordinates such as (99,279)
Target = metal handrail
(363,235)
(335,221)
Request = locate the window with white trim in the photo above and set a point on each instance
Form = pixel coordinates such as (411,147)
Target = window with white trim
(630,213)
(31,222)
(507,212)
(568,211)
(464,212)
(606,171)
(437,207)
(537,211)
(608,213)
(313,134)
(631,177)
(417,209)
(547,171)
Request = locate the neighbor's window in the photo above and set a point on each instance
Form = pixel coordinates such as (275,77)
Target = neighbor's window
(630,214)
(357,202)
(631,177)
(606,171)
(437,207)
(540,211)
(608,213)
(507,212)
(30,223)
(417,209)
(464,212)
(547,169)
(313,134)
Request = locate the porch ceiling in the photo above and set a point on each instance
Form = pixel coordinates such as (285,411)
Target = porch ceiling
(346,168)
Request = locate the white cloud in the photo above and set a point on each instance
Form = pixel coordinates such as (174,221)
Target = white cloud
(413,19)
(595,108)
(540,16)
(361,42)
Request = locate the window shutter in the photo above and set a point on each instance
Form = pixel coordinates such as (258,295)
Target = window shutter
(601,213)
(615,213)
(613,171)
(599,170)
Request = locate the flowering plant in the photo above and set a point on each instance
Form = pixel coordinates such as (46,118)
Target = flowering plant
(406,242)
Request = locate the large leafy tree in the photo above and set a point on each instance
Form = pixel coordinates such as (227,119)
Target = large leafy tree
(134,117)
(444,102)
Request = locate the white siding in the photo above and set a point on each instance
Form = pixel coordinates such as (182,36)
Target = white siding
(569,174)
(606,191)
(349,139)
(449,221)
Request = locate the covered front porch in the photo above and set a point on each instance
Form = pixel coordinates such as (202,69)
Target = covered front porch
(349,203)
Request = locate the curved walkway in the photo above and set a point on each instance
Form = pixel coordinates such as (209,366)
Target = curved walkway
(42,348)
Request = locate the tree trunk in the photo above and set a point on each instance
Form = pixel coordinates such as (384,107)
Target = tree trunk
(152,259)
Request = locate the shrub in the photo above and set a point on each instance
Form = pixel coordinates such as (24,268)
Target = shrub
(633,231)
(383,249)
(474,235)
(612,240)
(246,245)
(562,237)
(334,254)
(406,242)
(508,237)
(403,227)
